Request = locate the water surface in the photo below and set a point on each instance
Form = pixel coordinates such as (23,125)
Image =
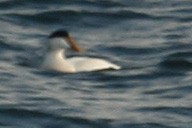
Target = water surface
(150,39)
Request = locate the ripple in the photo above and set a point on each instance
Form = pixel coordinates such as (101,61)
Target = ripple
(28,117)
(83,16)
(6,46)
(145,125)
(183,54)
(176,110)
(177,64)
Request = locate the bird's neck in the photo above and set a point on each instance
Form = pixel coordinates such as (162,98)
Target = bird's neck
(57,53)
(56,60)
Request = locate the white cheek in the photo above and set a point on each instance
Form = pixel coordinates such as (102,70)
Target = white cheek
(58,43)
(65,44)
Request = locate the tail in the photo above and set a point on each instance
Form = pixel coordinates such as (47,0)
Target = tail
(115,67)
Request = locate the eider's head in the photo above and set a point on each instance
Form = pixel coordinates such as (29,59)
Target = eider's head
(61,39)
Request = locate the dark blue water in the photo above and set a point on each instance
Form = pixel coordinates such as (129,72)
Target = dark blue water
(150,39)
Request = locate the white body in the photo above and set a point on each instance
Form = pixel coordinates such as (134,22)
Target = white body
(55,60)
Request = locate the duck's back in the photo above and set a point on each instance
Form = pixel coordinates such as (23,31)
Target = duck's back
(91,64)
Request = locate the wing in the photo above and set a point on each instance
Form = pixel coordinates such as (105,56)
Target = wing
(91,64)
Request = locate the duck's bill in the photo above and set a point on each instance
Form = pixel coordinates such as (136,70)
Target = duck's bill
(74,44)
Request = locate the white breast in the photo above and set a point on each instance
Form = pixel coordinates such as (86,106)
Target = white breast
(55,61)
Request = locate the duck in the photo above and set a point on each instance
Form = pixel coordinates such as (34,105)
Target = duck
(55,58)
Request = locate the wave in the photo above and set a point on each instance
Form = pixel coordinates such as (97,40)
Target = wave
(144,125)
(176,64)
(183,54)
(11,117)
(132,50)
(172,110)
(100,3)
(82,16)
(6,46)
(177,61)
